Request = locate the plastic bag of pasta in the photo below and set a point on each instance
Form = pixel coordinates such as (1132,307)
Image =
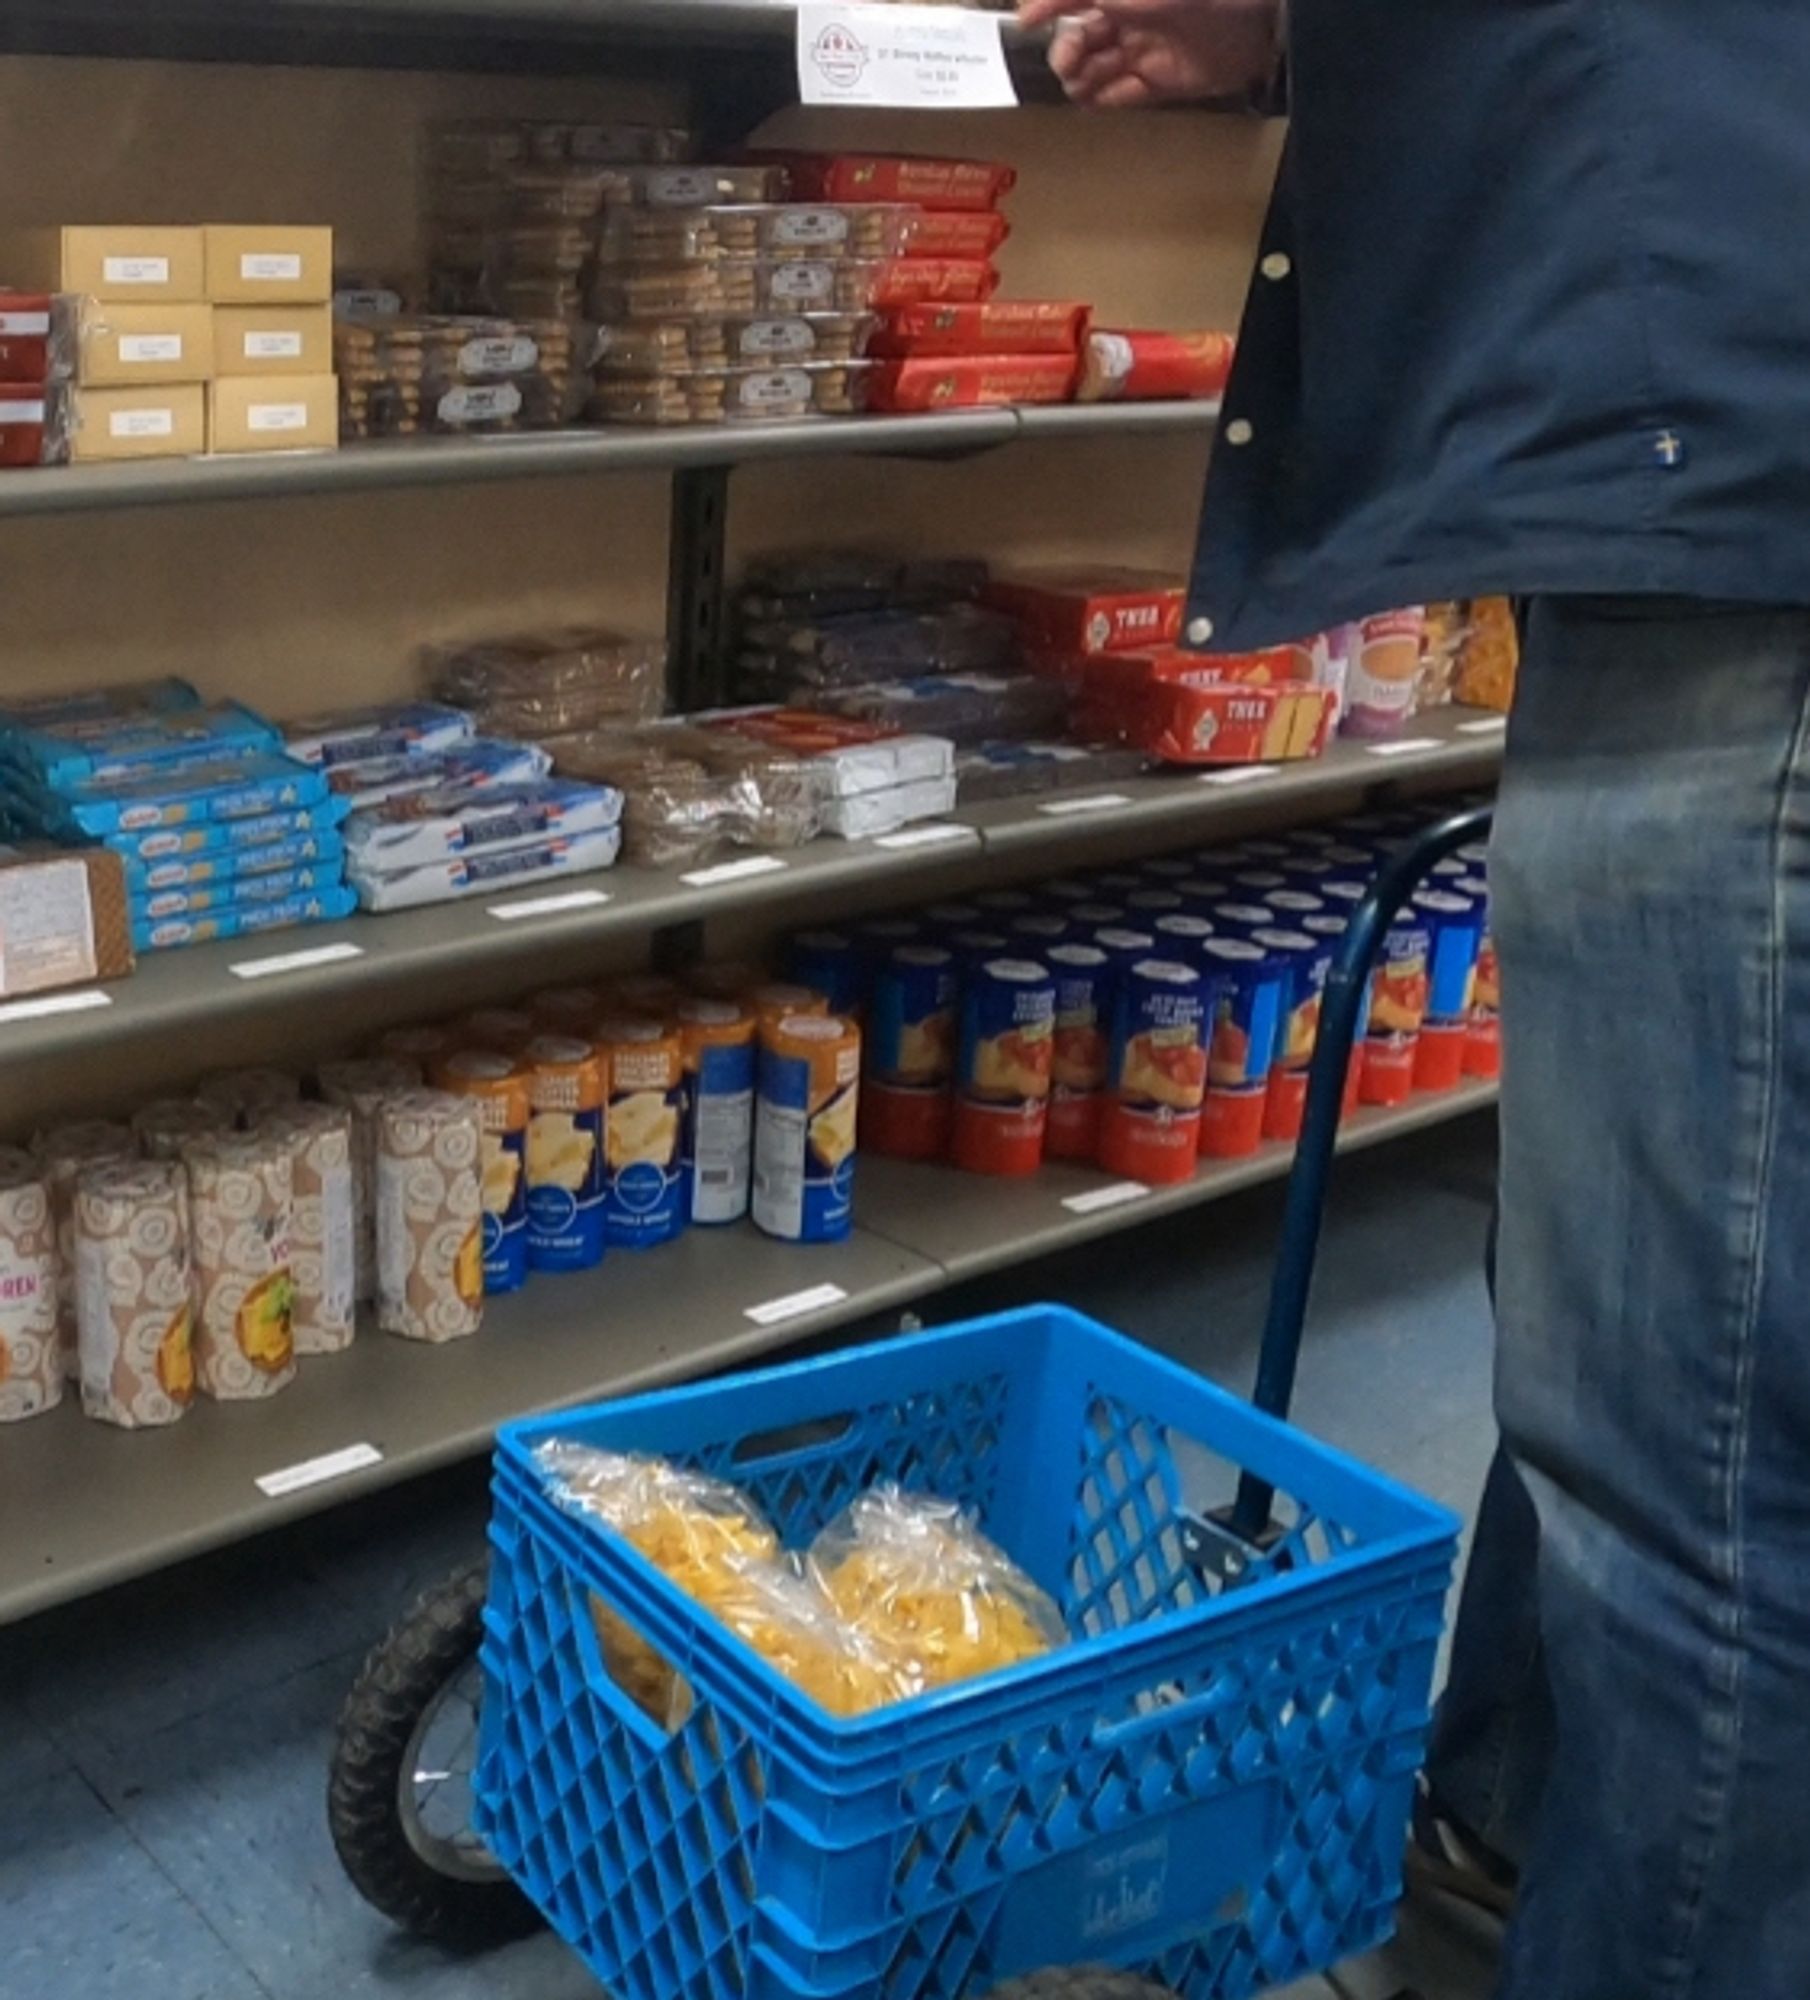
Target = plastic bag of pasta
(919,1578)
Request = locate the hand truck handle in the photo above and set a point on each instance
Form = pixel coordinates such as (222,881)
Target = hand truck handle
(1305,1205)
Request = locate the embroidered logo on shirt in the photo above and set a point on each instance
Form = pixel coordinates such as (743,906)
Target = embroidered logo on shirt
(1668,450)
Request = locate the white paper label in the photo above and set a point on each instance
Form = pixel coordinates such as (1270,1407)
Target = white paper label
(824,229)
(773,390)
(25,325)
(1404,746)
(805,283)
(771,338)
(906,57)
(1238,774)
(548,906)
(1093,802)
(929,836)
(795,1303)
(21,413)
(294,961)
(270,267)
(497,356)
(136,270)
(273,347)
(1096,1199)
(142,424)
(150,347)
(53,1003)
(316,1471)
(276,417)
(1488,725)
(734,871)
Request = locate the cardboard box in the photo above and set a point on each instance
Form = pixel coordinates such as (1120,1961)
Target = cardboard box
(166,422)
(273,340)
(1099,609)
(258,264)
(273,413)
(123,345)
(151,266)
(63,918)
(1180,723)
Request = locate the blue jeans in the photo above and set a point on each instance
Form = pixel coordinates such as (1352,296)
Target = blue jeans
(1629,1713)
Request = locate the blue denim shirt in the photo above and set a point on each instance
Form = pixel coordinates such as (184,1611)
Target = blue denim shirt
(1531,314)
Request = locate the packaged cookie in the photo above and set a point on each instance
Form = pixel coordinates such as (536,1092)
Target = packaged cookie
(241,1208)
(323,1240)
(31,1356)
(733,395)
(752,229)
(705,186)
(430,1216)
(134,1292)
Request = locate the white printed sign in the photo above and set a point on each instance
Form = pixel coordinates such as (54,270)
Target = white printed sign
(794,1305)
(317,1471)
(142,423)
(910,58)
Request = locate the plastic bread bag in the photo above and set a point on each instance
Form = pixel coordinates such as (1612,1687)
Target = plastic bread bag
(552,683)
(859,647)
(674,809)
(916,1574)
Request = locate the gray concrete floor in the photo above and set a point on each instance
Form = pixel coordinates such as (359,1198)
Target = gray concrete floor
(163,1749)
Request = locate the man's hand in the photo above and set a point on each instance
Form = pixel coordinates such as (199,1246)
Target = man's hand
(1120,54)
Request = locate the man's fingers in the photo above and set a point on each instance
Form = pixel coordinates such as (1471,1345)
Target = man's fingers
(1122,93)
(1040,13)
(1076,40)
(1096,73)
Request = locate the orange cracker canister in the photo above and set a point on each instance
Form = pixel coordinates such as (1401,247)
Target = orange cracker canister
(805,1116)
(568,1091)
(907,1101)
(1082,1048)
(642,1197)
(1002,1074)
(716,1138)
(500,1085)
(567,1010)
(774,999)
(1156,1072)
(651,994)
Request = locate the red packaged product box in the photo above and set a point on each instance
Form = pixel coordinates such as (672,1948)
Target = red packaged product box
(38,336)
(954,233)
(908,281)
(971,382)
(1001,326)
(939,184)
(1096,610)
(1180,724)
(1147,367)
(1270,666)
(34,423)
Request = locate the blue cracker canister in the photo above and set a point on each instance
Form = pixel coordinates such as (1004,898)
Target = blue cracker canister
(878,937)
(1156,1072)
(1255,885)
(806,1108)
(1165,868)
(1181,935)
(1097,915)
(998,904)
(1398,1006)
(1308,869)
(1002,1070)
(1456,922)
(1065,889)
(1306,960)
(832,963)
(643,1202)
(1483,1045)
(946,917)
(1121,942)
(499,1085)
(1116,883)
(1355,863)
(1041,929)
(1247,1013)
(1239,916)
(1261,851)
(1292,904)
(1144,905)
(1312,839)
(907,1097)
(1083,1033)
(568,1089)
(974,947)
(717,1044)
(1200,891)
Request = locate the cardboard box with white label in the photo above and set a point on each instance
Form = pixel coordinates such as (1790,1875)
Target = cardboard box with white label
(165,422)
(268,265)
(273,413)
(148,266)
(124,344)
(273,340)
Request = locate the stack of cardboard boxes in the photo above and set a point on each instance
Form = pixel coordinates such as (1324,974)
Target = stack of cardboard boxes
(216,339)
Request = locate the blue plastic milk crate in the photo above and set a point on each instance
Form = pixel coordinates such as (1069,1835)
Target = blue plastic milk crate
(1210,1784)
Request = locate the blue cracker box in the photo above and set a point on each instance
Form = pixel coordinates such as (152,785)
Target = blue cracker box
(156,697)
(90,749)
(226,838)
(224,788)
(321,906)
(279,856)
(389,729)
(234,893)
(415,832)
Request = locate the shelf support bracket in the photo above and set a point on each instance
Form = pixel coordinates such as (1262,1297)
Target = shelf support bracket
(696,607)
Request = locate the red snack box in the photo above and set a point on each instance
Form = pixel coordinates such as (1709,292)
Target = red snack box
(953,233)
(939,184)
(1270,666)
(1095,610)
(37,336)
(907,281)
(971,382)
(34,423)
(1146,367)
(1227,724)
(1002,326)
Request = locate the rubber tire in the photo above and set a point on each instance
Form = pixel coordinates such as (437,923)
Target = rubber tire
(1080,1982)
(401,1676)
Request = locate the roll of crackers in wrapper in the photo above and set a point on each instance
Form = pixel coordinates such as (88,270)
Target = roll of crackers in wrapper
(241,1208)
(31,1355)
(167,1124)
(323,1238)
(244,1095)
(430,1215)
(64,1151)
(134,1292)
(360,1087)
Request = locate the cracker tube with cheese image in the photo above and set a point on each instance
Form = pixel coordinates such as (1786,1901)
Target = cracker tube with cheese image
(1002,1072)
(1156,1073)
(241,1203)
(323,1237)
(1398,1005)
(1455,920)
(805,1117)
(498,1085)
(1081,1050)
(1305,961)
(360,1086)
(643,1201)
(717,1132)
(568,1090)
(134,1291)
(1483,1043)
(907,1100)
(31,1357)
(833,963)
(430,1215)
(1250,987)
(65,1151)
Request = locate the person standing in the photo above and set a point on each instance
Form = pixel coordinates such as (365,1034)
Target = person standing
(1531,316)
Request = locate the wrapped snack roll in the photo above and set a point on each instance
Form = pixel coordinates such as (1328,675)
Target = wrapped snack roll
(241,1199)
(134,1292)
(430,1204)
(31,1356)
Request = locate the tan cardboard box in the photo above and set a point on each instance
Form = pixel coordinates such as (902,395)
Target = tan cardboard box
(168,422)
(63,918)
(273,340)
(258,264)
(125,345)
(273,413)
(152,266)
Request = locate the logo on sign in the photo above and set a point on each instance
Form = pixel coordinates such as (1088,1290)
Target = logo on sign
(1125,1891)
(840,55)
